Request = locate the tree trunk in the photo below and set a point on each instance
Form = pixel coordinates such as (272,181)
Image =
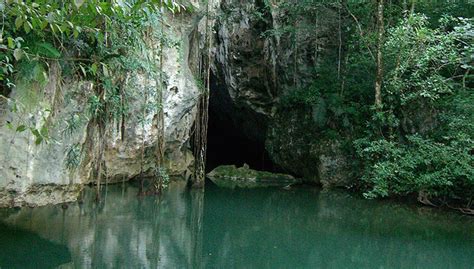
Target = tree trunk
(340,40)
(380,34)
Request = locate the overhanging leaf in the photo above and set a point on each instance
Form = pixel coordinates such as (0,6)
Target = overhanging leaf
(47,50)
(18,54)
(21,128)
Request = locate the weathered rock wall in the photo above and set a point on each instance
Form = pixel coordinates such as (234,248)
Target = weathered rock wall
(32,174)
(123,156)
(295,143)
(257,61)
(244,70)
(35,175)
(252,68)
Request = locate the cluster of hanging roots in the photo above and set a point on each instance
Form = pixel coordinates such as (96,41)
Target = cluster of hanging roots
(156,185)
(202,117)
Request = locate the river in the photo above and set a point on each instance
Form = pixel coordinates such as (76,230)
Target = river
(304,227)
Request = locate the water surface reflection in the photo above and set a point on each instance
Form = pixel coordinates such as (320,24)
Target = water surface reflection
(262,228)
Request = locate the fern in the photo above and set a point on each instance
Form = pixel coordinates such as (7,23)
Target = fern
(45,49)
(73,157)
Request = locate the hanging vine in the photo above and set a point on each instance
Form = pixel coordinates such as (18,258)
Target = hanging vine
(160,174)
(84,38)
(202,117)
(142,153)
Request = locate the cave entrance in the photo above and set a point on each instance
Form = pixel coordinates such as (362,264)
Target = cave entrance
(229,141)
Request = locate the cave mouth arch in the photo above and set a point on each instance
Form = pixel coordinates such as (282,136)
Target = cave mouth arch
(229,141)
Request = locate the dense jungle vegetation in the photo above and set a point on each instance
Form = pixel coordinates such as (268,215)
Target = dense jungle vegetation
(399,89)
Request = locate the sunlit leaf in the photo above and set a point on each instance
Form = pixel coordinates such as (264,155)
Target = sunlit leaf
(11,43)
(78,3)
(27,27)
(94,68)
(18,54)
(18,22)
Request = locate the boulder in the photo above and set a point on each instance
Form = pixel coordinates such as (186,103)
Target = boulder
(230,176)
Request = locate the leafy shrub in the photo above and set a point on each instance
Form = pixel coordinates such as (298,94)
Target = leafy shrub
(428,77)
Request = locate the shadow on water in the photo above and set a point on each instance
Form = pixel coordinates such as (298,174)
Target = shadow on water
(24,249)
(258,228)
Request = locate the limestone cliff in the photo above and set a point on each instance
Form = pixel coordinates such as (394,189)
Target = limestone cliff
(257,61)
(34,175)
(254,64)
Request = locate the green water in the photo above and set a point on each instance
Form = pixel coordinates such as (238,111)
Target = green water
(221,228)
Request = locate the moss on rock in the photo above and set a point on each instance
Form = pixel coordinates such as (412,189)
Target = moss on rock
(244,177)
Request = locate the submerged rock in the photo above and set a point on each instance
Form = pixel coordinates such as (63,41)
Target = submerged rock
(230,176)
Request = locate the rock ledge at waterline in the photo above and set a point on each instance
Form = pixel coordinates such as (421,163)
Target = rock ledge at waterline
(231,177)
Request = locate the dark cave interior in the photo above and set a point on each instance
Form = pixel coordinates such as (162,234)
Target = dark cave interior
(228,145)
(227,141)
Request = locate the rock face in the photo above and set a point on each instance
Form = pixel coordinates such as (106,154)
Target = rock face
(251,71)
(294,143)
(123,155)
(230,176)
(256,63)
(35,175)
(244,69)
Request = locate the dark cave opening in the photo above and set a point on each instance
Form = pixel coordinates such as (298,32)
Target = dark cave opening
(227,145)
(229,141)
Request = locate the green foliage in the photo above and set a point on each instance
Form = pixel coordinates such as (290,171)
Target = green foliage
(73,157)
(339,94)
(424,60)
(418,165)
(73,123)
(83,36)
(95,107)
(421,141)
(41,134)
(428,76)
(332,110)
